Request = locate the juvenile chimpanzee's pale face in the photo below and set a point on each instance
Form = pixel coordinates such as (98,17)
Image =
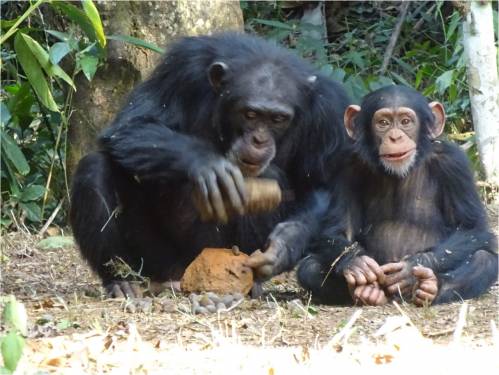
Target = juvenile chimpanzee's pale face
(396,133)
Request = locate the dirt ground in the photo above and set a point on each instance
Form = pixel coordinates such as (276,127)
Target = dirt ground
(72,327)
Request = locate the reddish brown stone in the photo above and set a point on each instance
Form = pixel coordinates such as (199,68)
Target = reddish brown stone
(218,270)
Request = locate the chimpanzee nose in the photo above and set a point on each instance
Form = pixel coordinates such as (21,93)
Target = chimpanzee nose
(395,135)
(259,139)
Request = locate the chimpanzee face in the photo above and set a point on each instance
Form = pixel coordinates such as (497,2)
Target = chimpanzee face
(396,134)
(393,127)
(258,109)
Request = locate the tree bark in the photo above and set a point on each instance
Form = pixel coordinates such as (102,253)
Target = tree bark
(161,22)
(480,50)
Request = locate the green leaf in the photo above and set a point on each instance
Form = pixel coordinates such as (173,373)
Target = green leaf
(43,58)
(400,79)
(32,193)
(94,17)
(14,154)
(338,74)
(59,35)
(5,115)
(78,17)
(136,42)
(64,324)
(12,350)
(88,64)
(14,314)
(33,211)
(444,81)
(58,51)
(56,242)
(34,72)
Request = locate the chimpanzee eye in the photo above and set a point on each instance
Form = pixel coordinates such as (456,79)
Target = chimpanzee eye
(405,121)
(383,124)
(279,118)
(250,114)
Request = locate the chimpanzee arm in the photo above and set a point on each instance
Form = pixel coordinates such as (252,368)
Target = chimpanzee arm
(462,209)
(149,149)
(294,234)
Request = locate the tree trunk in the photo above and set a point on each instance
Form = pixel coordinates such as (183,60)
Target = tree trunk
(95,103)
(478,38)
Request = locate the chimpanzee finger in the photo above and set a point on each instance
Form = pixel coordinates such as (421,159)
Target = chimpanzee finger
(239,182)
(368,273)
(375,268)
(392,267)
(360,278)
(365,294)
(350,279)
(216,197)
(114,291)
(402,285)
(429,287)
(423,272)
(136,289)
(259,260)
(230,189)
(381,299)
(204,201)
(127,289)
(421,298)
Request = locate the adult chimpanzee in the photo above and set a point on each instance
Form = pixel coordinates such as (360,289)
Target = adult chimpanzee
(216,109)
(407,221)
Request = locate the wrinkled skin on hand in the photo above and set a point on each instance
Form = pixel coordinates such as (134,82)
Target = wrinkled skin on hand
(363,270)
(427,286)
(214,180)
(369,294)
(277,253)
(399,277)
(417,283)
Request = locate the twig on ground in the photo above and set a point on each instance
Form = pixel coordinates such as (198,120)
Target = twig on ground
(461,322)
(346,330)
(51,218)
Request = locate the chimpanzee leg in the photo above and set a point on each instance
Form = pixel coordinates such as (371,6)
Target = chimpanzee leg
(108,229)
(328,288)
(470,279)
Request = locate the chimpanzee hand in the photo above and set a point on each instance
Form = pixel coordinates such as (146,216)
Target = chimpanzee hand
(363,270)
(277,254)
(426,288)
(369,294)
(399,276)
(215,179)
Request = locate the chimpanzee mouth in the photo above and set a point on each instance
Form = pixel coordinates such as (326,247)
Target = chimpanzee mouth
(398,155)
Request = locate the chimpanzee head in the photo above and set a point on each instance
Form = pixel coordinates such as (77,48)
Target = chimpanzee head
(393,128)
(257,105)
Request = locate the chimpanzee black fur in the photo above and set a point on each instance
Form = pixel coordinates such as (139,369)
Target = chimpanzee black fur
(430,217)
(133,198)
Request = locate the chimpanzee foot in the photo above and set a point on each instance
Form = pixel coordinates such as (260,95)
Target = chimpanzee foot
(426,288)
(123,289)
(207,303)
(156,287)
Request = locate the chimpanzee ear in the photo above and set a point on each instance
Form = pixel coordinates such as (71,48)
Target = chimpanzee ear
(439,123)
(216,74)
(350,113)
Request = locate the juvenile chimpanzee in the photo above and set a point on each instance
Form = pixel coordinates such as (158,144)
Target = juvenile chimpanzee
(407,220)
(216,109)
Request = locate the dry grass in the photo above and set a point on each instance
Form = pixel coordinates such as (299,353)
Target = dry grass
(73,327)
